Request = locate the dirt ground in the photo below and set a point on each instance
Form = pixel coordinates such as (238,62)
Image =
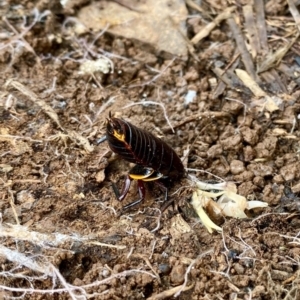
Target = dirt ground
(63,233)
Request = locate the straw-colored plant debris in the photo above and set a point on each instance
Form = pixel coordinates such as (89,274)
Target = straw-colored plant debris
(226,202)
(265,101)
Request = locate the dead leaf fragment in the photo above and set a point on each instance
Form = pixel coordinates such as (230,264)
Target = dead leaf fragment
(160,26)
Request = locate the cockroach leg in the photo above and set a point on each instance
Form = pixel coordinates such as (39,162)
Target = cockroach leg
(142,193)
(163,188)
(167,202)
(125,189)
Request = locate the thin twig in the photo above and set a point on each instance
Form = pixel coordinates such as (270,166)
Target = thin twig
(261,25)
(295,13)
(240,43)
(212,25)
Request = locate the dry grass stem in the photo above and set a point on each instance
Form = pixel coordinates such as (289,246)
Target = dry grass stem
(13,206)
(251,29)
(223,77)
(241,45)
(227,77)
(34,98)
(294,12)
(268,103)
(169,293)
(195,6)
(274,59)
(119,247)
(261,26)
(212,25)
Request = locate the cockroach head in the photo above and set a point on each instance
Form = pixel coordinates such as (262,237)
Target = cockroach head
(115,128)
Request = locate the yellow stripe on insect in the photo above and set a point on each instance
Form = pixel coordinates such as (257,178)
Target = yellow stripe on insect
(120,137)
(154,177)
(138,177)
(133,176)
(145,177)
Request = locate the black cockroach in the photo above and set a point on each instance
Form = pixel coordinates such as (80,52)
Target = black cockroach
(155,160)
